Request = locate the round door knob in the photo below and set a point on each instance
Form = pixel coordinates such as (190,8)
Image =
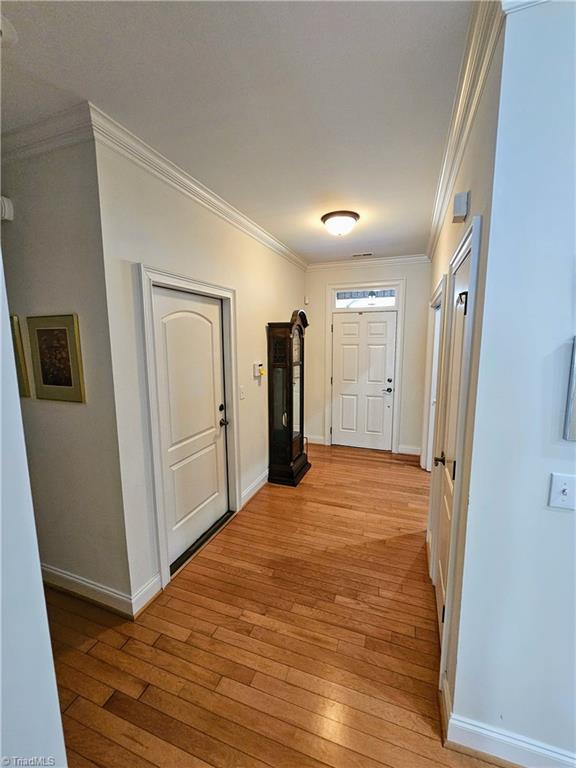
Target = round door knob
(223,422)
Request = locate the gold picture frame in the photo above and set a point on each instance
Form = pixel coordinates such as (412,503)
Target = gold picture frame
(57,357)
(21,367)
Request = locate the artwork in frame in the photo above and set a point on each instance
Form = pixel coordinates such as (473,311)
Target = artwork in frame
(56,357)
(570,416)
(21,368)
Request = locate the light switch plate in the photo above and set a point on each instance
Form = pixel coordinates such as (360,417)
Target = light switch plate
(562,491)
(242,393)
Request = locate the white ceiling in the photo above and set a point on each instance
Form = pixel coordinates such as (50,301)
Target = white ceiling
(287,110)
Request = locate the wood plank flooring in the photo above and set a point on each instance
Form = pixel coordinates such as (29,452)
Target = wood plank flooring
(303,635)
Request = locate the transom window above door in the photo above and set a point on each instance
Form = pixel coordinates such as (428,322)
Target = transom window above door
(365,298)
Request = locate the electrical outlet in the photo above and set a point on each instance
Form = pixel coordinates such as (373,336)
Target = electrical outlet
(562,491)
(242,393)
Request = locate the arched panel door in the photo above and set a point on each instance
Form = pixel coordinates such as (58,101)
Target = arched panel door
(188,338)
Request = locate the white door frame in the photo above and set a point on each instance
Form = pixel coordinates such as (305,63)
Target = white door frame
(437,304)
(469,246)
(399,285)
(150,277)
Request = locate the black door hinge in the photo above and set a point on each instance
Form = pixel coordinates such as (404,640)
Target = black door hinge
(454,470)
(332,328)
(331,380)
(443,613)
(463,299)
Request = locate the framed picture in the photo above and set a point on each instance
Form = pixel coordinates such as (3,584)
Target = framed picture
(570,417)
(21,368)
(56,357)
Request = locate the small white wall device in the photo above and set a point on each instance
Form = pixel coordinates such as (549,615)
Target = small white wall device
(258,370)
(6,209)
(460,211)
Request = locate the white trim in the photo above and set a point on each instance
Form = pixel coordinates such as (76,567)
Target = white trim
(107,131)
(410,450)
(149,278)
(86,121)
(505,745)
(511,6)
(383,261)
(316,439)
(400,285)
(437,304)
(445,703)
(469,248)
(122,602)
(146,592)
(482,40)
(62,129)
(254,487)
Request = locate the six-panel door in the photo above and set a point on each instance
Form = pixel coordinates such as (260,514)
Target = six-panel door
(364,351)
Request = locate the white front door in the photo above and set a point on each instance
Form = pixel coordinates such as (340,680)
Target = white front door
(363,360)
(188,342)
(447,467)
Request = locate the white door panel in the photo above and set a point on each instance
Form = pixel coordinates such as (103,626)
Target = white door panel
(363,362)
(456,364)
(188,339)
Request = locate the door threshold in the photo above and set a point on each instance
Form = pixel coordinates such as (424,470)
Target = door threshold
(199,543)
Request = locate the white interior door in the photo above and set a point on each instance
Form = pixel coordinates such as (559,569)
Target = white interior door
(446,466)
(188,342)
(363,361)
(434,381)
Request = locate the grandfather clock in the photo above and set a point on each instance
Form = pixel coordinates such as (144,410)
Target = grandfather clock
(288,462)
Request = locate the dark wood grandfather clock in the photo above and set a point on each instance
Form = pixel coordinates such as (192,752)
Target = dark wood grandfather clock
(288,462)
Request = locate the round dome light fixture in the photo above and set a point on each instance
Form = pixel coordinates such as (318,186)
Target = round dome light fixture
(340,222)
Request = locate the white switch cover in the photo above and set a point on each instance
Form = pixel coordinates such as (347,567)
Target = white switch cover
(562,491)
(242,393)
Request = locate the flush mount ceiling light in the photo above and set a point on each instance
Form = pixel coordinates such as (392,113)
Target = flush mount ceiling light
(340,222)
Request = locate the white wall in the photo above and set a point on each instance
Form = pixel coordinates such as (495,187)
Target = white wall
(144,219)
(54,265)
(517,644)
(31,724)
(417,276)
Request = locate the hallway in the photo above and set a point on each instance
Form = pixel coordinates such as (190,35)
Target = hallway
(302,635)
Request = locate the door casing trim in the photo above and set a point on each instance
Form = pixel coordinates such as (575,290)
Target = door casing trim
(469,247)
(437,304)
(400,285)
(149,278)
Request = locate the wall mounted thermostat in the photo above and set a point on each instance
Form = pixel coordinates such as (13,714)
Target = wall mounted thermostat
(258,369)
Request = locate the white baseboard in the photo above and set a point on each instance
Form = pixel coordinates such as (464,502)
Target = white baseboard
(507,746)
(143,595)
(412,450)
(316,439)
(121,602)
(254,487)
(429,551)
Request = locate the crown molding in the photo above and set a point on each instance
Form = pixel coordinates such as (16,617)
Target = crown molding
(511,6)
(481,44)
(110,133)
(59,130)
(382,261)
(86,122)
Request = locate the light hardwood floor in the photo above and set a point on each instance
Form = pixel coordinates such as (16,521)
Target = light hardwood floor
(303,635)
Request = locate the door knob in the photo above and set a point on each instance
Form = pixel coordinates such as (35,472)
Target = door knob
(440,459)
(223,422)
(388,389)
